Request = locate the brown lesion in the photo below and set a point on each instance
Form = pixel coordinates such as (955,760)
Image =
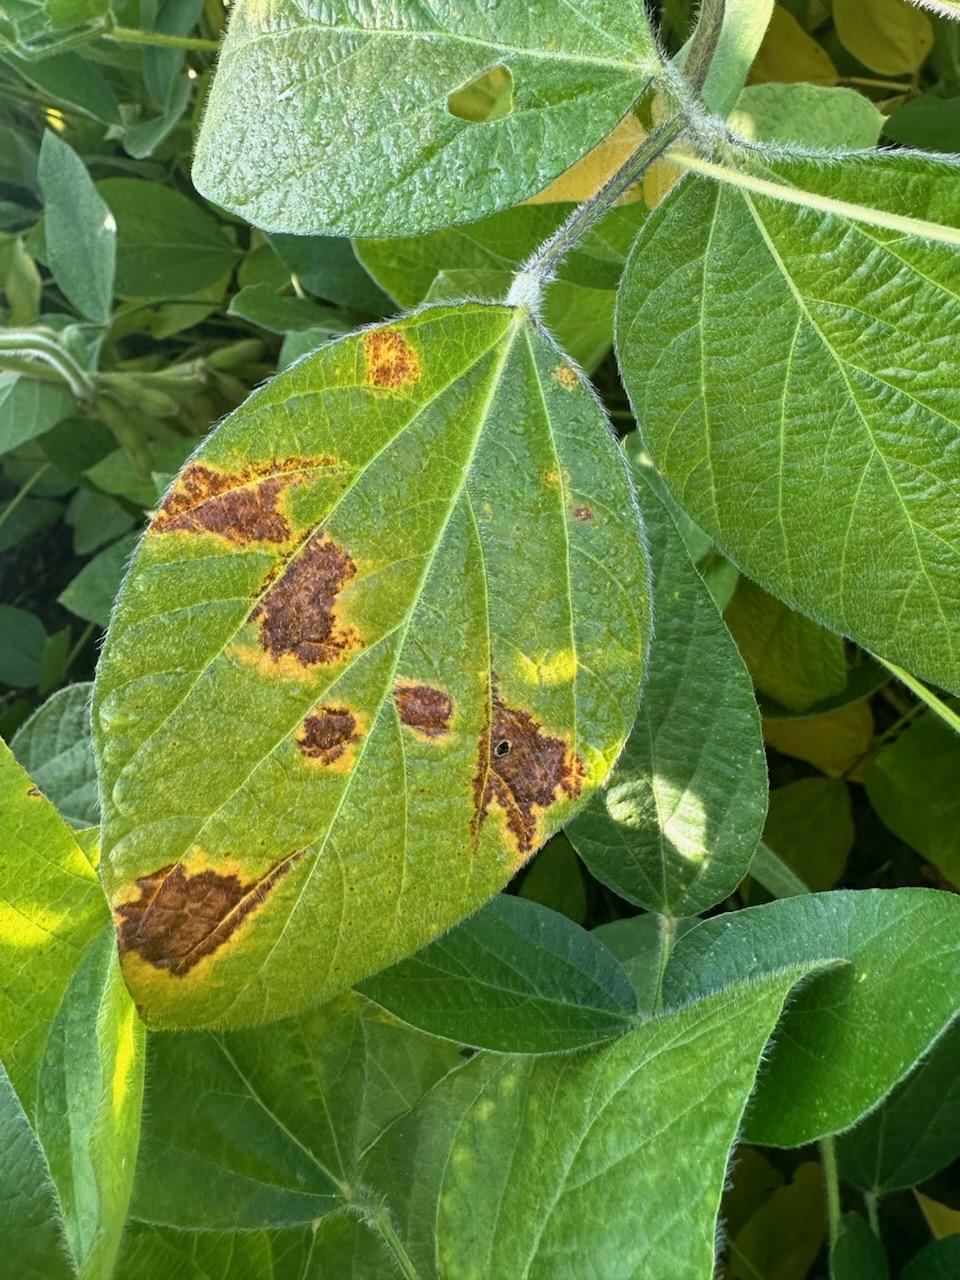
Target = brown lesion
(298,615)
(390,359)
(424,709)
(583,513)
(179,917)
(329,735)
(523,769)
(566,376)
(241,506)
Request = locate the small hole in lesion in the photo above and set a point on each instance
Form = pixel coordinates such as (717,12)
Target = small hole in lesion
(502,748)
(486,98)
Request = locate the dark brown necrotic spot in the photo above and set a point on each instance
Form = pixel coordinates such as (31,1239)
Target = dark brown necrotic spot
(390,359)
(326,735)
(423,708)
(179,918)
(297,615)
(582,513)
(523,770)
(241,506)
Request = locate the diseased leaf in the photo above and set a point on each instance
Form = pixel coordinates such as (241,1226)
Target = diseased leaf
(51,909)
(265,1128)
(608,1162)
(768,330)
(915,1133)
(79,230)
(338,707)
(298,74)
(517,978)
(55,748)
(849,1036)
(675,827)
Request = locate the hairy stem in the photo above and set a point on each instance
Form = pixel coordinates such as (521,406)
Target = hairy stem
(536,271)
(35,344)
(831,1183)
(380,1219)
(703,43)
(158,39)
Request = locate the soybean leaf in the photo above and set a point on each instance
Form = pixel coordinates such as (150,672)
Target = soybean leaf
(18,519)
(79,230)
(339,1246)
(789,54)
(263,306)
(677,824)
(22,637)
(785,1233)
(857,1254)
(912,784)
(810,826)
(608,1162)
(810,115)
(167,245)
(51,909)
(265,1128)
(516,977)
(930,122)
(90,595)
(329,619)
(570,73)
(642,944)
(89,1098)
(29,407)
(70,79)
(555,879)
(763,332)
(890,37)
(55,748)
(328,267)
(850,1036)
(916,1131)
(938,1261)
(31,1227)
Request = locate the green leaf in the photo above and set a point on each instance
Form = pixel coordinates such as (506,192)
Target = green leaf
(930,122)
(89,1095)
(22,637)
(328,267)
(29,407)
(265,1128)
(263,306)
(810,826)
(90,595)
(857,1253)
(413,165)
(51,909)
(850,1036)
(55,748)
(31,1228)
(939,1261)
(642,944)
(18,520)
(767,330)
(912,784)
(72,80)
(331,620)
(517,978)
(168,246)
(890,37)
(677,824)
(554,879)
(561,1166)
(915,1133)
(810,115)
(79,230)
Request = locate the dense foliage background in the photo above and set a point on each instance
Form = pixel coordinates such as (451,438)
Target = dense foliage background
(113,367)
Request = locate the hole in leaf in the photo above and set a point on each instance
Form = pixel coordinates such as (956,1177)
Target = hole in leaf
(502,748)
(487,97)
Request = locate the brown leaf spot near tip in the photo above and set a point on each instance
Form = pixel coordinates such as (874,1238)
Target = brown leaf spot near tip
(326,735)
(566,376)
(390,359)
(34,791)
(178,917)
(582,513)
(297,614)
(523,769)
(424,709)
(241,506)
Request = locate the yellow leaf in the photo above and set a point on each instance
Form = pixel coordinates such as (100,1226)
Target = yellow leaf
(888,36)
(941,1219)
(587,176)
(833,742)
(789,55)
